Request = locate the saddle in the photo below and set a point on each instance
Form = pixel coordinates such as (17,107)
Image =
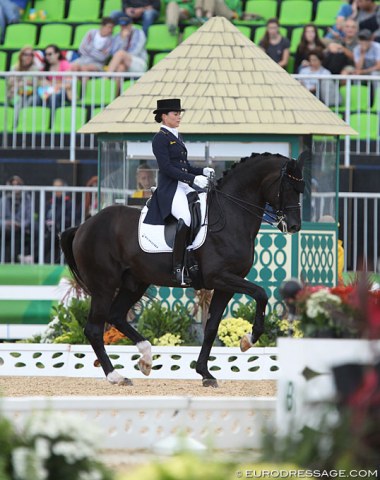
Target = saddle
(160,238)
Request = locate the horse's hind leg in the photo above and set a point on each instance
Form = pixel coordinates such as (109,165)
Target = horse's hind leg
(94,331)
(121,304)
(218,304)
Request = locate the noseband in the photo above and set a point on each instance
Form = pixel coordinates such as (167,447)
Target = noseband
(273,219)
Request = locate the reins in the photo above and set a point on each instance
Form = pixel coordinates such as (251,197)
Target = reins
(271,218)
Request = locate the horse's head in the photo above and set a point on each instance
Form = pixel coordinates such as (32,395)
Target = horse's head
(287,204)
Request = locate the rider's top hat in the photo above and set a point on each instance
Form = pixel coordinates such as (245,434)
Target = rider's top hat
(169,105)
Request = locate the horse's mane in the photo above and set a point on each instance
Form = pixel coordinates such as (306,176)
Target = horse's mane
(237,165)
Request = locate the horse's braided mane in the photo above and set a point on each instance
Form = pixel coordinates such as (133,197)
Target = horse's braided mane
(226,173)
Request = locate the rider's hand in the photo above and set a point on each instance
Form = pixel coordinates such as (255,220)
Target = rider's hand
(200,181)
(208,172)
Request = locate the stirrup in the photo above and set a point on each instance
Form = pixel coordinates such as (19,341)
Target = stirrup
(181,278)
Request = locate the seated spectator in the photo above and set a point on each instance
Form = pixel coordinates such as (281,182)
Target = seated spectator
(309,41)
(314,67)
(21,90)
(15,221)
(339,57)
(348,10)
(366,15)
(95,48)
(144,181)
(336,32)
(55,91)
(9,13)
(230,9)
(177,10)
(128,49)
(366,55)
(274,44)
(57,219)
(91,199)
(145,10)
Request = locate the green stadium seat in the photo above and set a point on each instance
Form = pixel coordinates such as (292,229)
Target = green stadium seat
(295,12)
(53,9)
(245,30)
(187,31)
(296,37)
(376,101)
(3,61)
(83,11)
(111,6)
(80,32)
(6,119)
(367,124)
(159,39)
(159,56)
(17,35)
(260,31)
(55,33)
(45,11)
(61,123)
(33,120)
(264,8)
(99,91)
(3,90)
(360,98)
(326,12)
(290,65)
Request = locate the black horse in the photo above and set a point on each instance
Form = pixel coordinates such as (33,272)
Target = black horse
(105,258)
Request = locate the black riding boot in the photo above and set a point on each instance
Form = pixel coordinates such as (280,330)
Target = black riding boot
(179,249)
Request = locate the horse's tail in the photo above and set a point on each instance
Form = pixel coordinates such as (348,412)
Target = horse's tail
(66,240)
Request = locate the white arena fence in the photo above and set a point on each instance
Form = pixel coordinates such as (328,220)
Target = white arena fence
(18,359)
(140,423)
(37,242)
(29,120)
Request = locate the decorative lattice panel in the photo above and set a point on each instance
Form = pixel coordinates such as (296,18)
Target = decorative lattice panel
(318,256)
(168,362)
(132,423)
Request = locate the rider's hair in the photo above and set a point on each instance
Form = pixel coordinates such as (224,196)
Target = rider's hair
(158,116)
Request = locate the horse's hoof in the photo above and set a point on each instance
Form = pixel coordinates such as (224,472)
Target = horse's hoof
(144,366)
(246,342)
(210,382)
(126,382)
(115,378)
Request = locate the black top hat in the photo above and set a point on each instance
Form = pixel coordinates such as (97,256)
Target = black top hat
(169,105)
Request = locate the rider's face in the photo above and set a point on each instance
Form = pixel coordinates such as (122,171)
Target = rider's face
(171,119)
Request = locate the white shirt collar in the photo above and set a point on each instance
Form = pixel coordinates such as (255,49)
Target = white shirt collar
(174,131)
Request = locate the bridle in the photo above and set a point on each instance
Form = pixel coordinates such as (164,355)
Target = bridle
(272,217)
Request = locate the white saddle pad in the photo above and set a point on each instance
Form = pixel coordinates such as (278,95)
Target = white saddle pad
(152,237)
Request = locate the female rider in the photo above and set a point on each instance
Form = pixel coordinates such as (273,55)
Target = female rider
(176,179)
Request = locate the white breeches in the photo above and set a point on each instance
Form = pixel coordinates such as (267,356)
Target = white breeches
(180,205)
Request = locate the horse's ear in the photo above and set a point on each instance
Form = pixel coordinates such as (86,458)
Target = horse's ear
(303,158)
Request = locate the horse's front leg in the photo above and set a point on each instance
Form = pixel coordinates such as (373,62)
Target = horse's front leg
(218,304)
(236,284)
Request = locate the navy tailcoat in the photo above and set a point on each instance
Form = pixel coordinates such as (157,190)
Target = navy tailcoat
(173,166)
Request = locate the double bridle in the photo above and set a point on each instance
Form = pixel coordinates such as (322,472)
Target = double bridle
(272,217)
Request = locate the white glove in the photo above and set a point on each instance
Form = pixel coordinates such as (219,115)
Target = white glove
(200,181)
(208,172)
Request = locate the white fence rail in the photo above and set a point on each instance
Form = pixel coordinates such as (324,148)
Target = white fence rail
(135,423)
(31,120)
(168,362)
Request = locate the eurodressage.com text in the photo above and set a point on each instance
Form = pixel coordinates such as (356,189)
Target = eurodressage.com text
(307,474)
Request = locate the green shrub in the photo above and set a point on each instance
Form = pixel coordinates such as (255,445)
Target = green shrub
(157,320)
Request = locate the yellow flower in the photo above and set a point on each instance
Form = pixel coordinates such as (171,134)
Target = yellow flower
(232,329)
